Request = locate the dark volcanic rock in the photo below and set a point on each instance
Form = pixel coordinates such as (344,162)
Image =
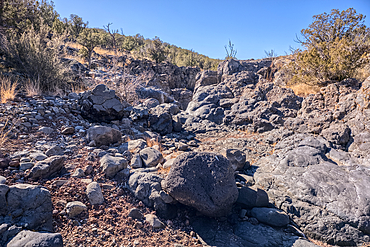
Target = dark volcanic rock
(47,167)
(27,205)
(204,181)
(101,105)
(37,239)
(317,191)
(102,135)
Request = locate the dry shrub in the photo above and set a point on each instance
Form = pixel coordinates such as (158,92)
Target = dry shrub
(8,90)
(4,133)
(37,55)
(154,142)
(32,88)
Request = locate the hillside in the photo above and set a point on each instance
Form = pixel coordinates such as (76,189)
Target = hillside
(102,145)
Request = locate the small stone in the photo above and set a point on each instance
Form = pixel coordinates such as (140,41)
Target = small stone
(2,180)
(136,214)
(75,208)
(78,173)
(68,130)
(94,193)
(46,130)
(56,150)
(136,161)
(181,146)
(26,165)
(37,156)
(154,221)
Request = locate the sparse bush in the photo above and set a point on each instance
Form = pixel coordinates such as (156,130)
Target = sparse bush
(230,51)
(89,38)
(156,51)
(337,45)
(36,55)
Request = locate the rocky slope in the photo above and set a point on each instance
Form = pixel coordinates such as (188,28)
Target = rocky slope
(222,158)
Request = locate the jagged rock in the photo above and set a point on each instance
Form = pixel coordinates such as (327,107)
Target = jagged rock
(55,150)
(151,157)
(213,233)
(27,205)
(338,134)
(146,186)
(78,173)
(103,135)
(183,96)
(112,165)
(94,193)
(136,161)
(47,167)
(160,120)
(205,78)
(150,103)
(195,180)
(102,105)
(236,157)
(37,239)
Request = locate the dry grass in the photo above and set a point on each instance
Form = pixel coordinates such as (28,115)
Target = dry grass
(74,45)
(304,90)
(363,73)
(77,58)
(4,134)
(32,88)
(8,90)
(103,51)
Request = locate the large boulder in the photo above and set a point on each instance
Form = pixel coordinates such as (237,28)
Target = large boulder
(47,167)
(204,181)
(102,104)
(36,239)
(103,135)
(27,205)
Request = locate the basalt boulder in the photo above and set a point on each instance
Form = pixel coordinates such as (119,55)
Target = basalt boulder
(102,105)
(204,181)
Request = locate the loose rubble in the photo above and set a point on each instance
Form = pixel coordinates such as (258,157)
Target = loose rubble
(222,158)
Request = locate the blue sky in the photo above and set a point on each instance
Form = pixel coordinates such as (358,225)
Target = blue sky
(206,26)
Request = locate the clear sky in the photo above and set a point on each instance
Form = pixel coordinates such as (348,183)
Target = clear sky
(206,26)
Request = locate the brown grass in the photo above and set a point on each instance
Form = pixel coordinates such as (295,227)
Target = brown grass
(4,134)
(32,88)
(74,45)
(304,90)
(7,89)
(77,58)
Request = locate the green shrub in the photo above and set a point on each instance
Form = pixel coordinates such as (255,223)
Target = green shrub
(36,55)
(337,44)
